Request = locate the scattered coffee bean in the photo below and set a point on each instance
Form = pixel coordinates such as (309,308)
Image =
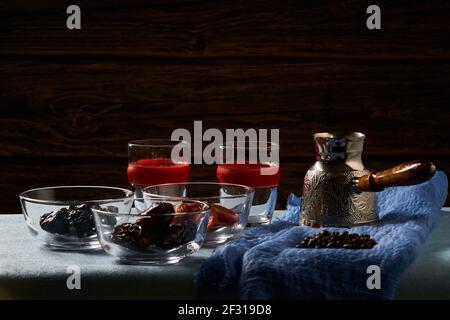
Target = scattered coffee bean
(326,239)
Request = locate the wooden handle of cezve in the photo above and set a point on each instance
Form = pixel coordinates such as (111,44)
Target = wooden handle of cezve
(405,174)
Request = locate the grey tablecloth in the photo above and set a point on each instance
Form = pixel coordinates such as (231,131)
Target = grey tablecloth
(28,270)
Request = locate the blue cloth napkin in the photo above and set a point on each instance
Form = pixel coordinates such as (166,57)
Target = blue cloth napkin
(265,264)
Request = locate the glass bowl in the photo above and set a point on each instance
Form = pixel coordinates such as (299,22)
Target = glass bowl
(62,218)
(155,231)
(230,204)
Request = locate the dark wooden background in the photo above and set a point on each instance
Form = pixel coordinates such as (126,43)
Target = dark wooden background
(70,100)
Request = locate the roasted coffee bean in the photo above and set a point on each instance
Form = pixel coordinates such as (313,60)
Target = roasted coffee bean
(347,240)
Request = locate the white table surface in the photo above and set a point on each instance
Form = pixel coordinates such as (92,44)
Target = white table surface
(29,271)
(429,276)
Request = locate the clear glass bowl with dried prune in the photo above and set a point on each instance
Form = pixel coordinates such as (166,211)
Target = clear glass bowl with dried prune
(154,231)
(62,216)
(230,205)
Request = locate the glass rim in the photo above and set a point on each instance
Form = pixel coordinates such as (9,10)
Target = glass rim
(23,195)
(234,145)
(159,143)
(349,135)
(205,206)
(249,190)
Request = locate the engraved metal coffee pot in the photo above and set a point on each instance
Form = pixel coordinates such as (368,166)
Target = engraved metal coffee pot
(338,191)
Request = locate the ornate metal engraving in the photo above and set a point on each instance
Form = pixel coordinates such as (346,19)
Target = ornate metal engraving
(329,199)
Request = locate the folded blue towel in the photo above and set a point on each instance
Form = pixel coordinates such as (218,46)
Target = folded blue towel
(267,265)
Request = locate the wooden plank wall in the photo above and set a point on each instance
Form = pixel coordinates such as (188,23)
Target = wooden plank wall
(70,100)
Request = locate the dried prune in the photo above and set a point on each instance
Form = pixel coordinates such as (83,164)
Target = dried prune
(77,220)
(131,235)
(81,221)
(126,233)
(55,222)
(157,218)
(144,240)
(153,227)
(179,234)
(160,208)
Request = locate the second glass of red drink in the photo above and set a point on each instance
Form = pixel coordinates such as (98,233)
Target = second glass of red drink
(254,164)
(152,161)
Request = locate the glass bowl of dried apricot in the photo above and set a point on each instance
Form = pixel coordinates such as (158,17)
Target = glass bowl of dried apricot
(230,205)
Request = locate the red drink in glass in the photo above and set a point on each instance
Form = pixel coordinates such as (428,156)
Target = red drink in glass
(249,174)
(263,176)
(150,162)
(157,171)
